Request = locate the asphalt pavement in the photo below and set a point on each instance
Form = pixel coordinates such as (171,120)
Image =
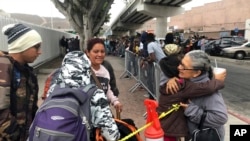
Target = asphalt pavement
(133,102)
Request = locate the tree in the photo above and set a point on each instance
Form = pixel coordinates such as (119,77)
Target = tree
(85,16)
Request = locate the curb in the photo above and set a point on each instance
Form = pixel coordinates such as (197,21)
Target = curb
(242,118)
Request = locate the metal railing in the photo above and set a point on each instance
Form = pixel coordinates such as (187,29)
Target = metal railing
(147,76)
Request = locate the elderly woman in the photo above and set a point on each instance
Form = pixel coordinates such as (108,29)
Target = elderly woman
(196,67)
(174,125)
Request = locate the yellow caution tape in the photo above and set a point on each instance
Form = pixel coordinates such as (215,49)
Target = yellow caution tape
(175,107)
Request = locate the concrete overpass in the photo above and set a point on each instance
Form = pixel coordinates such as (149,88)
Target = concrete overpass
(139,11)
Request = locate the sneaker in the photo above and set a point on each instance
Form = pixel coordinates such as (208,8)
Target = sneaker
(146,95)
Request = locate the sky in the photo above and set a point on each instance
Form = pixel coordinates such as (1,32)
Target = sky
(35,7)
(46,7)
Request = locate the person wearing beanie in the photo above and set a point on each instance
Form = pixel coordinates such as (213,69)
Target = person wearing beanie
(20,83)
(23,42)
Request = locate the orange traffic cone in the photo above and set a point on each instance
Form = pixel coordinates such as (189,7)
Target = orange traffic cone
(153,132)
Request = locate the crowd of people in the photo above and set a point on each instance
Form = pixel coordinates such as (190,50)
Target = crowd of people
(69,44)
(187,79)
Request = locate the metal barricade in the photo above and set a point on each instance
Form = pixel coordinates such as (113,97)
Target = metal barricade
(158,73)
(137,77)
(130,60)
(146,78)
(132,69)
(148,75)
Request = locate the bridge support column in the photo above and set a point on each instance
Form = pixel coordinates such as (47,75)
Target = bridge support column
(161,27)
(131,32)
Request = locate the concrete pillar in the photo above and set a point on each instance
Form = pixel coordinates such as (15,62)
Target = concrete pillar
(131,32)
(161,27)
(247,30)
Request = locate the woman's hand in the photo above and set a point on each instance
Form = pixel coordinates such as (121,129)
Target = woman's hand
(184,105)
(172,86)
(220,76)
(118,107)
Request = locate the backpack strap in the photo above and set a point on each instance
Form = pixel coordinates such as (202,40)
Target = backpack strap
(203,117)
(96,79)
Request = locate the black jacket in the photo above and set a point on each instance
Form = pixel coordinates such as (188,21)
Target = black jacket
(112,82)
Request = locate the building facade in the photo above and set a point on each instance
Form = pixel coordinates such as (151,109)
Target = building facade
(222,18)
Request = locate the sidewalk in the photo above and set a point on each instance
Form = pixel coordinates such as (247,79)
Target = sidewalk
(133,103)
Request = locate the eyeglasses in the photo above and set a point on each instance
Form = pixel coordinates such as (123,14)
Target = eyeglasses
(196,68)
(183,67)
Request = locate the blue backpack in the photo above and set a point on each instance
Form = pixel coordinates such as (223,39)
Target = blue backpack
(64,115)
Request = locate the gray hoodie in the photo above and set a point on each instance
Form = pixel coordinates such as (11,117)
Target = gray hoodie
(215,106)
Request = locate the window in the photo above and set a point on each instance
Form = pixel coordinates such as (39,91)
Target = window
(248,45)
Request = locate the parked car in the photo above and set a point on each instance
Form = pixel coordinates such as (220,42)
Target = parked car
(209,46)
(237,52)
(238,39)
(215,47)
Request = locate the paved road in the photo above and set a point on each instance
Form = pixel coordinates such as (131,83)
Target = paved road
(236,92)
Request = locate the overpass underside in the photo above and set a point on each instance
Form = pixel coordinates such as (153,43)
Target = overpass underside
(140,11)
